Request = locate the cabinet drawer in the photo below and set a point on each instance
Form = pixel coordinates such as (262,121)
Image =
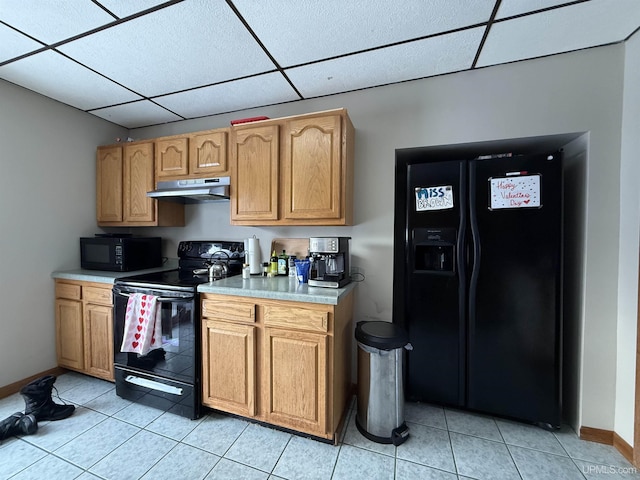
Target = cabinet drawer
(98,295)
(68,290)
(236,311)
(298,318)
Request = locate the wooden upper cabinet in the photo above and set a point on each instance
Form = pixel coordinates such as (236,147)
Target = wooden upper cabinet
(124,175)
(138,180)
(312,170)
(109,184)
(254,173)
(208,153)
(172,157)
(196,155)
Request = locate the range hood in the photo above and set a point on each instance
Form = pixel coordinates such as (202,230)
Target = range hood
(193,190)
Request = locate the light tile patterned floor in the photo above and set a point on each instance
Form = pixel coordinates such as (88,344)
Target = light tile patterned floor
(110,438)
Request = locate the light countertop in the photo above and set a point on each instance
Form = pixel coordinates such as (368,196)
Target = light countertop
(101,276)
(276,288)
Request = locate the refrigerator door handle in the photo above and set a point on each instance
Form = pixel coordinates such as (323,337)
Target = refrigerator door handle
(462,260)
(476,251)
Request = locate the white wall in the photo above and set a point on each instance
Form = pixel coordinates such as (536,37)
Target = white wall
(48,191)
(47,201)
(575,195)
(629,242)
(576,92)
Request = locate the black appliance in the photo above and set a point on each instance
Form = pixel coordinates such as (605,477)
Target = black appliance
(120,252)
(168,378)
(478,281)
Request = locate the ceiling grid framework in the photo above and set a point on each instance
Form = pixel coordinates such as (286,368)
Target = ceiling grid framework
(149,62)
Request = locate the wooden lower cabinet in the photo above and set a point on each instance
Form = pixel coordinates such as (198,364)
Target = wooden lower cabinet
(98,341)
(296,376)
(84,327)
(229,357)
(69,333)
(284,363)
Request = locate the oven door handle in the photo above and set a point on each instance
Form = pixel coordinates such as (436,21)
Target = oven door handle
(159,299)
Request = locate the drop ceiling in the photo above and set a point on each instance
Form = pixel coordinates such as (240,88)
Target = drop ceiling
(147,62)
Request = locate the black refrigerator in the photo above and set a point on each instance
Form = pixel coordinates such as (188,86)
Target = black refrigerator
(478,281)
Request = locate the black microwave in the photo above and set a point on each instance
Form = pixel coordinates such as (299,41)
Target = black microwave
(120,253)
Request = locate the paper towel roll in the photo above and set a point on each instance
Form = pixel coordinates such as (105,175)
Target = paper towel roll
(252,247)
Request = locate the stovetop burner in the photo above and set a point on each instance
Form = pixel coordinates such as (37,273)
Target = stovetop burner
(193,255)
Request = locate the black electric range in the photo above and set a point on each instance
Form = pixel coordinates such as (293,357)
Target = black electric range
(169,377)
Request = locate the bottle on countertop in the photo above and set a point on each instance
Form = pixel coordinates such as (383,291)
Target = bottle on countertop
(273,264)
(292,266)
(313,267)
(283,263)
(265,269)
(246,272)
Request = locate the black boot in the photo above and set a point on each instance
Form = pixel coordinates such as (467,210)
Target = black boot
(18,424)
(37,396)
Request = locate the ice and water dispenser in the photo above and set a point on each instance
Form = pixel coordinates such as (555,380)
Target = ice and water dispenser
(434,250)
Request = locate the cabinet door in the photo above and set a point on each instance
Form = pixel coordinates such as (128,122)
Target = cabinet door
(208,153)
(109,184)
(254,173)
(138,180)
(98,341)
(295,366)
(228,367)
(171,157)
(312,169)
(69,334)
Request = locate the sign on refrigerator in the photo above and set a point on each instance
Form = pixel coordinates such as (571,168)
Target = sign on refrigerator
(434,198)
(514,191)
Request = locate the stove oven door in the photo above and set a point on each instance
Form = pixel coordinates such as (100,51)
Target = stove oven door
(167,377)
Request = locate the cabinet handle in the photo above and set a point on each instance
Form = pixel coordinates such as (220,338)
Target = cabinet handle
(161,299)
(143,382)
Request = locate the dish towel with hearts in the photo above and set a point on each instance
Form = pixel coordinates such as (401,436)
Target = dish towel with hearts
(142,324)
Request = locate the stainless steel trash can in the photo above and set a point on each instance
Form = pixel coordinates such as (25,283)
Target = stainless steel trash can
(380,409)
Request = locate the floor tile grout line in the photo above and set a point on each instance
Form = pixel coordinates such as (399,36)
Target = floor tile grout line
(513,460)
(46,453)
(280,456)
(439,469)
(57,455)
(234,442)
(453,454)
(510,446)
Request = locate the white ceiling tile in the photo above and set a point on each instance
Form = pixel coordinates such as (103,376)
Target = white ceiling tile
(423,58)
(136,114)
(250,92)
(583,25)
(15,44)
(53,20)
(125,8)
(509,8)
(308,30)
(187,45)
(72,84)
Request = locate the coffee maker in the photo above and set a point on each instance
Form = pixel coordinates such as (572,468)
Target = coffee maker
(330,261)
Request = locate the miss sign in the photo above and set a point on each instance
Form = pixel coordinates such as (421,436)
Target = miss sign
(434,198)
